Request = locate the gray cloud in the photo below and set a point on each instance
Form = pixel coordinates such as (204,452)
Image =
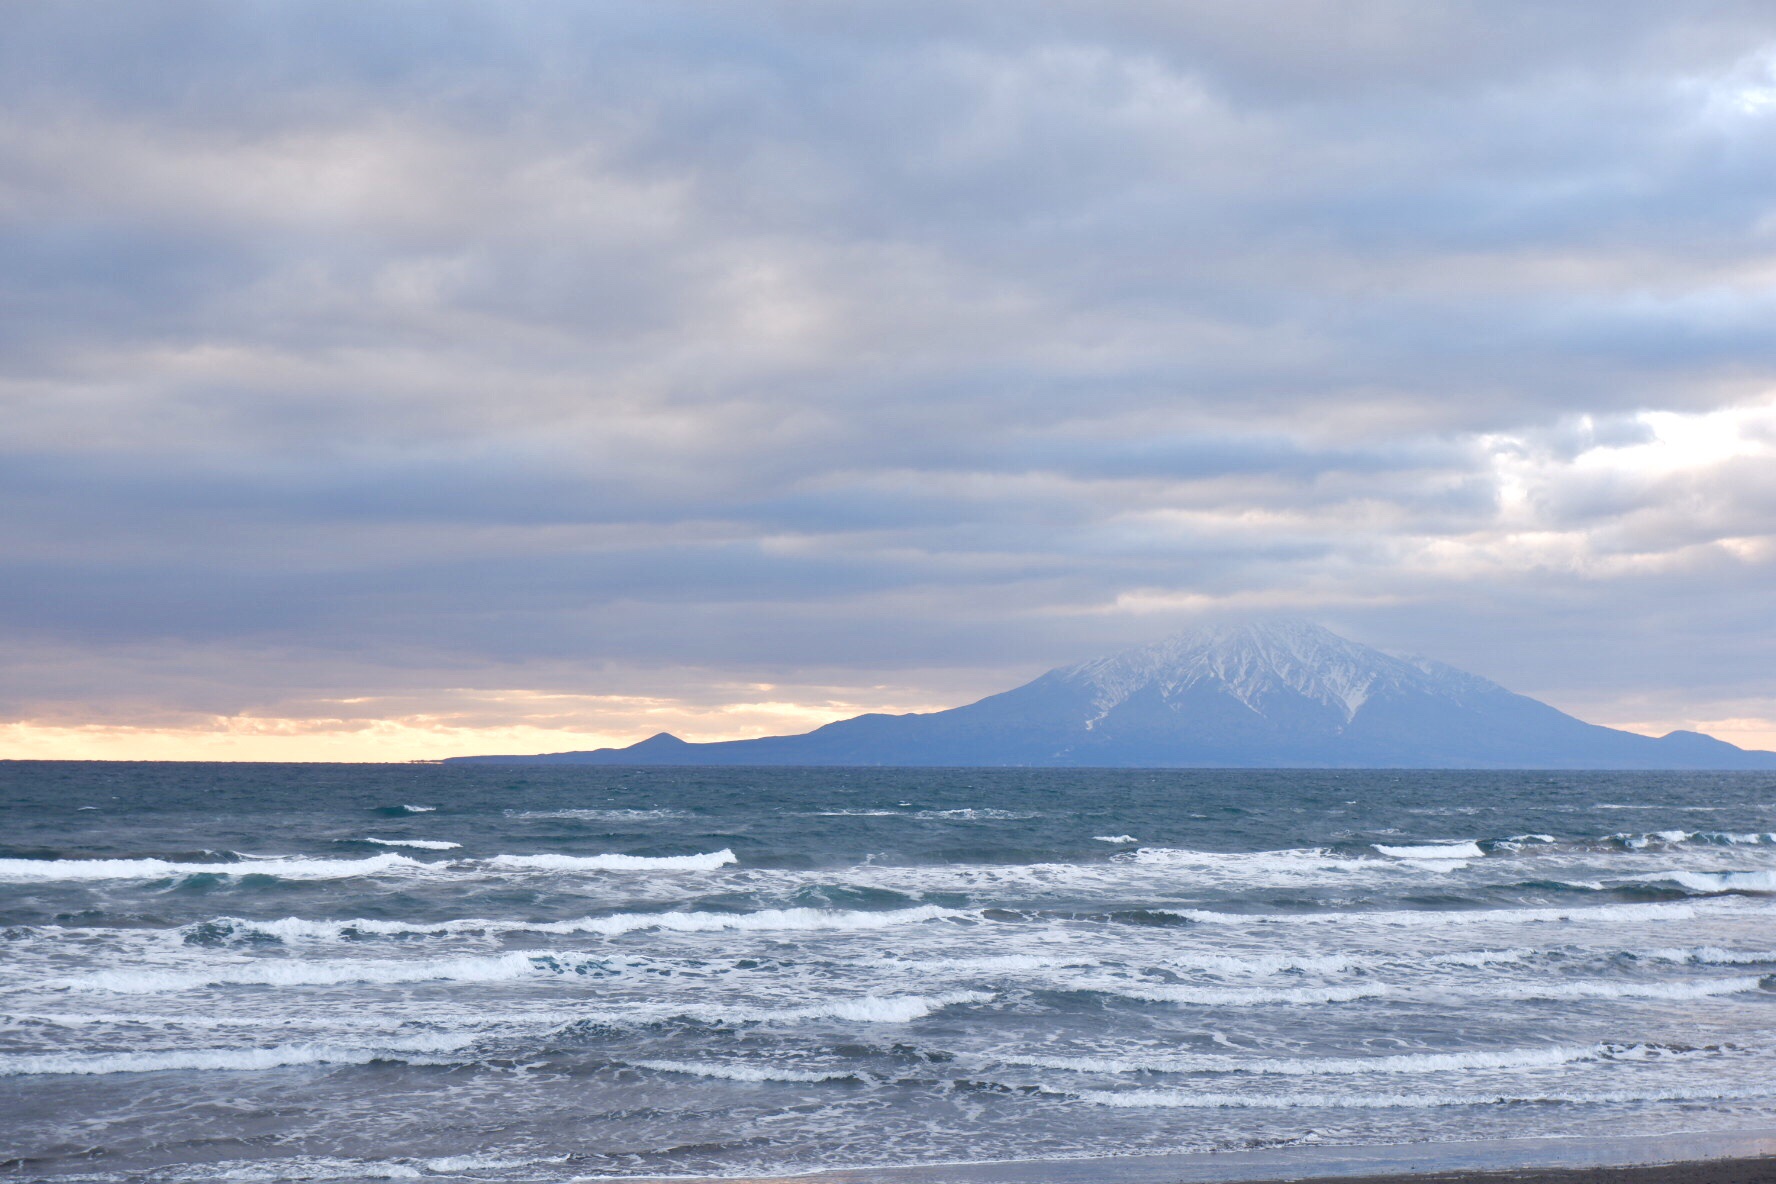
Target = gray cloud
(584,349)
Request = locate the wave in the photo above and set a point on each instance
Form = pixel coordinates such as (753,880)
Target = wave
(607,863)
(1433,851)
(601,815)
(281,973)
(1715,838)
(292,868)
(304,868)
(1115,839)
(1401,1063)
(1291,862)
(297,928)
(185,1019)
(856,814)
(1636,842)
(226,1059)
(1711,882)
(1696,989)
(1413,1101)
(867,1009)
(978,814)
(1475,959)
(739,1072)
(1247,962)
(1706,956)
(1240,996)
(453,1164)
(1712,838)
(1427,918)
(879,1009)
(420,844)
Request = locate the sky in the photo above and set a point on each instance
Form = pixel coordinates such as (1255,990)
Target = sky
(396,380)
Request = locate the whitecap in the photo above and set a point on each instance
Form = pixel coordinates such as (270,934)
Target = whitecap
(1399,1063)
(590,815)
(291,868)
(452,1164)
(1288,862)
(1408,1100)
(856,814)
(1603,989)
(879,1009)
(1751,881)
(419,844)
(224,1059)
(298,928)
(1237,996)
(978,814)
(1706,956)
(295,973)
(1433,851)
(733,1071)
(1115,838)
(607,863)
(1427,918)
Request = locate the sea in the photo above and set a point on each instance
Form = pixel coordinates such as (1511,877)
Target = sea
(265,972)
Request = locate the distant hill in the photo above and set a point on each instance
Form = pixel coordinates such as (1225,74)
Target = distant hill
(1290,695)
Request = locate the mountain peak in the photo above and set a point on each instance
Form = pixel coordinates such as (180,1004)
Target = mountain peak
(1254,662)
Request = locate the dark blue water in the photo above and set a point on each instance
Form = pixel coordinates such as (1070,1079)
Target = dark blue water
(267,972)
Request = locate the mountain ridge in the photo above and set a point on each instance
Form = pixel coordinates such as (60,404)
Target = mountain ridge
(1281,694)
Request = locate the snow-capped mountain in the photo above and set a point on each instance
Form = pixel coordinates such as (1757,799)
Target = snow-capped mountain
(1258,665)
(1280,694)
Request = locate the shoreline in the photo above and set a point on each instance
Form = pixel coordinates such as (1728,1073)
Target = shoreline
(1683,1157)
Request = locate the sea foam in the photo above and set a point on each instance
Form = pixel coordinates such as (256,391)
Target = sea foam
(292,973)
(1748,881)
(1412,1100)
(227,1059)
(609,863)
(1400,1063)
(740,1072)
(297,928)
(1433,851)
(293,868)
(419,844)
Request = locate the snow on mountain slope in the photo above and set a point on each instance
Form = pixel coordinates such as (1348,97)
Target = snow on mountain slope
(1255,662)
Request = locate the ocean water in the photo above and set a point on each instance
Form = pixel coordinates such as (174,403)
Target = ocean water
(284,972)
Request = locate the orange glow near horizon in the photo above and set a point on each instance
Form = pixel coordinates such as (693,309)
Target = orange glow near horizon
(242,738)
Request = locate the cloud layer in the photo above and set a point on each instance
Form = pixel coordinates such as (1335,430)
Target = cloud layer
(443,369)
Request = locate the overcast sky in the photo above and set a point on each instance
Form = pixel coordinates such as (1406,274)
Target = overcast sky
(388,380)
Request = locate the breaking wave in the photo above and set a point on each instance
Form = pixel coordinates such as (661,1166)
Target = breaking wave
(297,928)
(293,868)
(1409,1063)
(610,863)
(736,1072)
(1414,1100)
(419,844)
(589,815)
(226,1059)
(1433,851)
(1243,996)
(1753,881)
(269,973)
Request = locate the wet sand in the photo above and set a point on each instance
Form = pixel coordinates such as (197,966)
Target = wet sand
(1761,1170)
(1699,1157)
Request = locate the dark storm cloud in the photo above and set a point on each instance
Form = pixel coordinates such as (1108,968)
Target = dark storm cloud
(489,343)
